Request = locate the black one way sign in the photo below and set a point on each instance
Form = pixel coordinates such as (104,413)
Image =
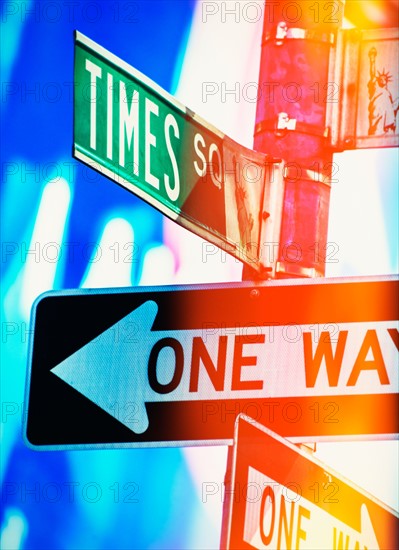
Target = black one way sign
(176,365)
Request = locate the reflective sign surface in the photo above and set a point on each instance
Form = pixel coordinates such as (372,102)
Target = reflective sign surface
(176,365)
(282,497)
(129,129)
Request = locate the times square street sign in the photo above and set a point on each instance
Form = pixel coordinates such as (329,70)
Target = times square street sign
(142,138)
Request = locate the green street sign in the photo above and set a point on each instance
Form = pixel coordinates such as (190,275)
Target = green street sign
(135,133)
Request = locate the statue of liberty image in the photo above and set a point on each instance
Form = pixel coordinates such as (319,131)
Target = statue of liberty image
(382,107)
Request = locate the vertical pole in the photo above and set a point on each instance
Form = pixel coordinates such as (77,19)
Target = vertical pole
(291,119)
(296,86)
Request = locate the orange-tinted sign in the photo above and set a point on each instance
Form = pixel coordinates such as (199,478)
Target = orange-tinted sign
(313,360)
(282,497)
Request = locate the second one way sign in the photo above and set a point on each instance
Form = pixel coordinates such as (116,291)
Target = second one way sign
(282,497)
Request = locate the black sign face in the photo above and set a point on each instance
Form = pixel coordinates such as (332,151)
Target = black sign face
(172,366)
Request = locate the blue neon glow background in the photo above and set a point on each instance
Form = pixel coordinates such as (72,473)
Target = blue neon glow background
(36,144)
(37,54)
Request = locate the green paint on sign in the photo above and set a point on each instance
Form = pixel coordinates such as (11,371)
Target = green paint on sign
(132,131)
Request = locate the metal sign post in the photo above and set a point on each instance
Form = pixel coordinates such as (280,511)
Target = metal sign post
(291,123)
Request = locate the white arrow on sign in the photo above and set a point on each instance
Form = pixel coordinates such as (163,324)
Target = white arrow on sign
(107,371)
(233,363)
